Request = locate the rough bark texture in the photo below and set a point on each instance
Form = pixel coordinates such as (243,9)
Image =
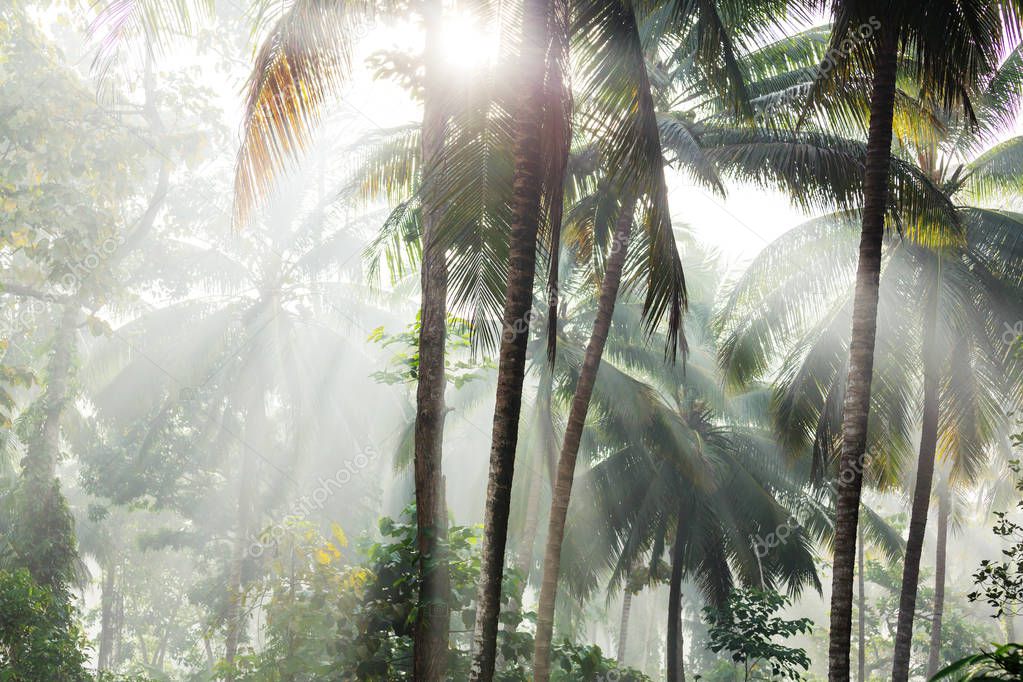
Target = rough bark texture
(623,627)
(861,353)
(674,645)
(573,435)
(921,492)
(430,644)
(940,557)
(861,653)
(515,327)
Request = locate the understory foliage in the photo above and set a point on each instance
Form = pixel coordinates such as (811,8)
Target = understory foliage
(335,611)
(214,352)
(748,628)
(999,582)
(39,634)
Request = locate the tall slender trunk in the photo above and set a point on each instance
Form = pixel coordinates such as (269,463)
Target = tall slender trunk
(430,645)
(1010,628)
(940,556)
(861,352)
(651,641)
(526,190)
(234,617)
(922,490)
(106,621)
(623,626)
(573,435)
(545,452)
(524,555)
(117,654)
(675,664)
(861,653)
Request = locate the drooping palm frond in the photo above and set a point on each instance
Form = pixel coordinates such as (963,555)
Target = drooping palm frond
(618,111)
(996,174)
(156,22)
(822,172)
(305,59)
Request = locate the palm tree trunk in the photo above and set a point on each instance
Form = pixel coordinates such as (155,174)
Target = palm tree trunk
(524,557)
(525,222)
(675,664)
(862,611)
(234,618)
(922,491)
(940,556)
(106,621)
(430,645)
(623,626)
(573,436)
(651,648)
(545,452)
(861,352)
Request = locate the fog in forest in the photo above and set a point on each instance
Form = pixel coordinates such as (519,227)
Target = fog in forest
(544,340)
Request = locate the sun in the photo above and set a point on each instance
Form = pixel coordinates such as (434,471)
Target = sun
(469,44)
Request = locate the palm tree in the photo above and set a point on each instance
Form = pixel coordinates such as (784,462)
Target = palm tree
(803,165)
(997,97)
(432,621)
(955,46)
(649,445)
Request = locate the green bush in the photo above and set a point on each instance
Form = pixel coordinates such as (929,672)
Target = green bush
(39,638)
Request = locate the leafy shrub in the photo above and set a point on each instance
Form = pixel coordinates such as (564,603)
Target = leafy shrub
(39,639)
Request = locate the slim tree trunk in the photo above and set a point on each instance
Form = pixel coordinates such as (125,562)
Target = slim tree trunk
(106,620)
(430,646)
(940,556)
(675,664)
(861,352)
(922,490)
(651,641)
(573,436)
(545,453)
(524,557)
(235,616)
(623,626)
(525,221)
(862,614)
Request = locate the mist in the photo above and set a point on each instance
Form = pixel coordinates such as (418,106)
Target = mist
(536,341)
